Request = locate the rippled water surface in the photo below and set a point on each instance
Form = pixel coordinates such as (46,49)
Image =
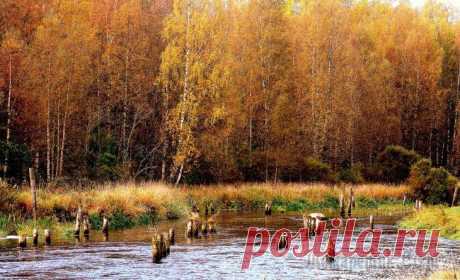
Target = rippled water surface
(127,255)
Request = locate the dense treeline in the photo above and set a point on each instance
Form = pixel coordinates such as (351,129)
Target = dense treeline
(224,90)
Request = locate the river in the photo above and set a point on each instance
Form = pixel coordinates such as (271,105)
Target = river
(127,255)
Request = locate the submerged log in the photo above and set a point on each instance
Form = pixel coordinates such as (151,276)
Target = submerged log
(47,235)
(35,237)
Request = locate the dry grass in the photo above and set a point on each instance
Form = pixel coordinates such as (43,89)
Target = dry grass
(257,194)
(166,201)
(129,198)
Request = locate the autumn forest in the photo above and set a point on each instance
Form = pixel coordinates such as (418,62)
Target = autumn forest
(208,91)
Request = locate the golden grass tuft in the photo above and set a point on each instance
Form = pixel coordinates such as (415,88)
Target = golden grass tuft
(168,202)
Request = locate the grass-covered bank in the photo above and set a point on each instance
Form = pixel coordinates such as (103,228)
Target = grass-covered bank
(445,275)
(141,204)
(436,217)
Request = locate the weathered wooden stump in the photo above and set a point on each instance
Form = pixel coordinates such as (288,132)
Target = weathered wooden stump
(196,228)
(268,208)
(330,255)
(167,243)
(105,226)
(342,206)
(156,252)
(283,242)
(78,223)
(162,245)
(371,222)
(86,227)
(35,237)
(189,229)
(172,236)
(22,241)
(47,235)
(350,202)
(454,197)
(204,228)
(212,226)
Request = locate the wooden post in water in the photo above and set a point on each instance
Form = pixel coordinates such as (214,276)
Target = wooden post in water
(189,229)
(86,227)
(330,256)
(268,209)
(156,254)
(162,245)
(172,236)
(342,205)
(204,228)
(105,226)
(35,237)
(77,223)
(404,200)
(454,198)
(34,204)
(47,237)
(167,243)
(352,194)
(371,222)
(350,202)
(22,241)
(282,243)
(34,193)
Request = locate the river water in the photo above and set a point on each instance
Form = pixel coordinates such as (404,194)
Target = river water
(127,255)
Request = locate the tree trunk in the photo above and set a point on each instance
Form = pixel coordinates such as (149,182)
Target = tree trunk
(48,129)
(64,126)
(186,87)
(8,120)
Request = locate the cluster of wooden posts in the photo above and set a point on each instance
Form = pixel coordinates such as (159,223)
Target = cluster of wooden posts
(197,225)
(83,225)
(161,244)
(22,239)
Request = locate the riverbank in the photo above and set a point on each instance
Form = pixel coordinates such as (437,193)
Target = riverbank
(131,204)
(436,217)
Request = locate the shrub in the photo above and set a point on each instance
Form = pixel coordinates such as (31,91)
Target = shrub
(432,185)
(7,197)
(351,175)
(364,202)
(394,163)
(315,170)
